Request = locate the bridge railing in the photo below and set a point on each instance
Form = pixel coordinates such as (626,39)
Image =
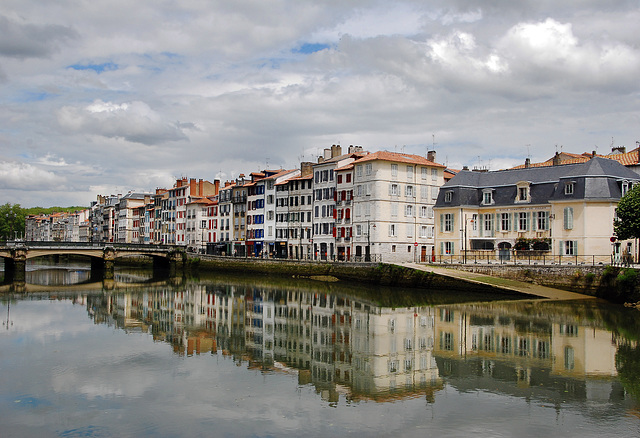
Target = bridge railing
(93,245)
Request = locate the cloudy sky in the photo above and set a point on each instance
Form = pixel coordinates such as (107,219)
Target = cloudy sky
(107,96)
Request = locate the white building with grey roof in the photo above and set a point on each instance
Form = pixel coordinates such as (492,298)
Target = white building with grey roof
(562,213)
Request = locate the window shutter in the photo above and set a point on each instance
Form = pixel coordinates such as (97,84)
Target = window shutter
(442,223)
(441,248)
(389,189)
(546,222)
(575,247)
(481,224)
(561,247)
(453,244)
(534,224)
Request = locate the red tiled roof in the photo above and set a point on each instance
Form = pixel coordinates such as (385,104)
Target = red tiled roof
(399,158)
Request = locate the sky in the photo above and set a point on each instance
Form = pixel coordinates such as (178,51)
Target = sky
(101,97)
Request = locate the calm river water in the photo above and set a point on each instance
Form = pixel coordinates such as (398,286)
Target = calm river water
(257,357)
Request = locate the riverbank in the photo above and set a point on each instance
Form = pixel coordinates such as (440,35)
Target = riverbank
(614,284)
(371,273)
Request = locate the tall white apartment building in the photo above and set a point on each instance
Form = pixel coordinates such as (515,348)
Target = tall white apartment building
(394,195)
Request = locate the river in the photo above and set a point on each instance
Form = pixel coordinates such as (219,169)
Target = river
(270,357)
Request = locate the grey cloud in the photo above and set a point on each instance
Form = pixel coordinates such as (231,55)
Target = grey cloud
(134,122)
(23,40)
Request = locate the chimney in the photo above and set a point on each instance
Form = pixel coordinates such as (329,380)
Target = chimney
(556,159)
(200,187)
(431,156)
(527,163)
(327,154)
(192,187)
(593,154)
(306,168)
(216,187)
(336,150)
(465,167)
(619,150)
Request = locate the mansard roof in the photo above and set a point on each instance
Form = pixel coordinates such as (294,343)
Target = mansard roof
(598,178)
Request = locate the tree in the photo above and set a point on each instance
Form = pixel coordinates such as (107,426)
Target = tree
(627,224)
(11,221)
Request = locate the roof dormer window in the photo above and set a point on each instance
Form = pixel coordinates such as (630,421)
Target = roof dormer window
(487,197)
(569,188)
(626,186)
(523,191)
(448,196)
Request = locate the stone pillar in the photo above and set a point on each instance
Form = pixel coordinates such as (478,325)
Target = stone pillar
(109,256)
(15,268)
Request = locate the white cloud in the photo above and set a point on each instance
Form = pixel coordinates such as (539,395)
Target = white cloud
(21,176)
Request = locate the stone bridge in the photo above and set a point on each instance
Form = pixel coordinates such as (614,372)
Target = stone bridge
(103,255)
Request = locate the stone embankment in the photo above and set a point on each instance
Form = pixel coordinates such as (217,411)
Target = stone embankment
(371,273)
(616,284)
(611,283)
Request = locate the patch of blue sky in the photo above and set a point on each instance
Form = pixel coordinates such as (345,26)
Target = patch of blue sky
(308,48)
(98,68)
(32,96)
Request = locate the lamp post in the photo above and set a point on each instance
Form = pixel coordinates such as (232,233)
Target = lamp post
(368,252)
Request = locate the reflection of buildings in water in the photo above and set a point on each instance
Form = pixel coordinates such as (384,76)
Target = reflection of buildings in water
(567,347)
(338,344)
(57,277)
(528,353)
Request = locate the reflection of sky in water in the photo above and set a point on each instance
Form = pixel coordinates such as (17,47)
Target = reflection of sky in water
(63,375)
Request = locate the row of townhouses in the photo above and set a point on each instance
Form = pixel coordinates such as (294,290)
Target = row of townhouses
(380,206)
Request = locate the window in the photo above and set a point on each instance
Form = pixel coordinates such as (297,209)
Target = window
(368,169)
(394,190)
(487,197)
(504,222)
(358,230)
(568,188)
(448,247)
(434,174)
(423,211)
(523,193)
(448,222)
(626,186)
(448,196)
(542,220)
(394,209)
(409,192)
(569,247)
(423,231)
(522,221)
(568,218)
(394,170)
(392,230)
(409,173)
(408,210)
(359,170)
(424,171)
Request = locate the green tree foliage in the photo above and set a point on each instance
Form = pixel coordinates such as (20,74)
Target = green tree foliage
(628,365)
(627,225)
(11,221)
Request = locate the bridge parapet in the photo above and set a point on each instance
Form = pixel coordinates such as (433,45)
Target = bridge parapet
(103,255)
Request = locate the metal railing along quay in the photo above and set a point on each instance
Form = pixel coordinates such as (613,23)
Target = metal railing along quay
(532,258)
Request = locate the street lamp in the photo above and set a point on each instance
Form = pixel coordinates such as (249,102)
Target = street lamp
(368,252)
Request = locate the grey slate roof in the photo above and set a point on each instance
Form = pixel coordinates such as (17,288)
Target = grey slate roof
(598,178)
